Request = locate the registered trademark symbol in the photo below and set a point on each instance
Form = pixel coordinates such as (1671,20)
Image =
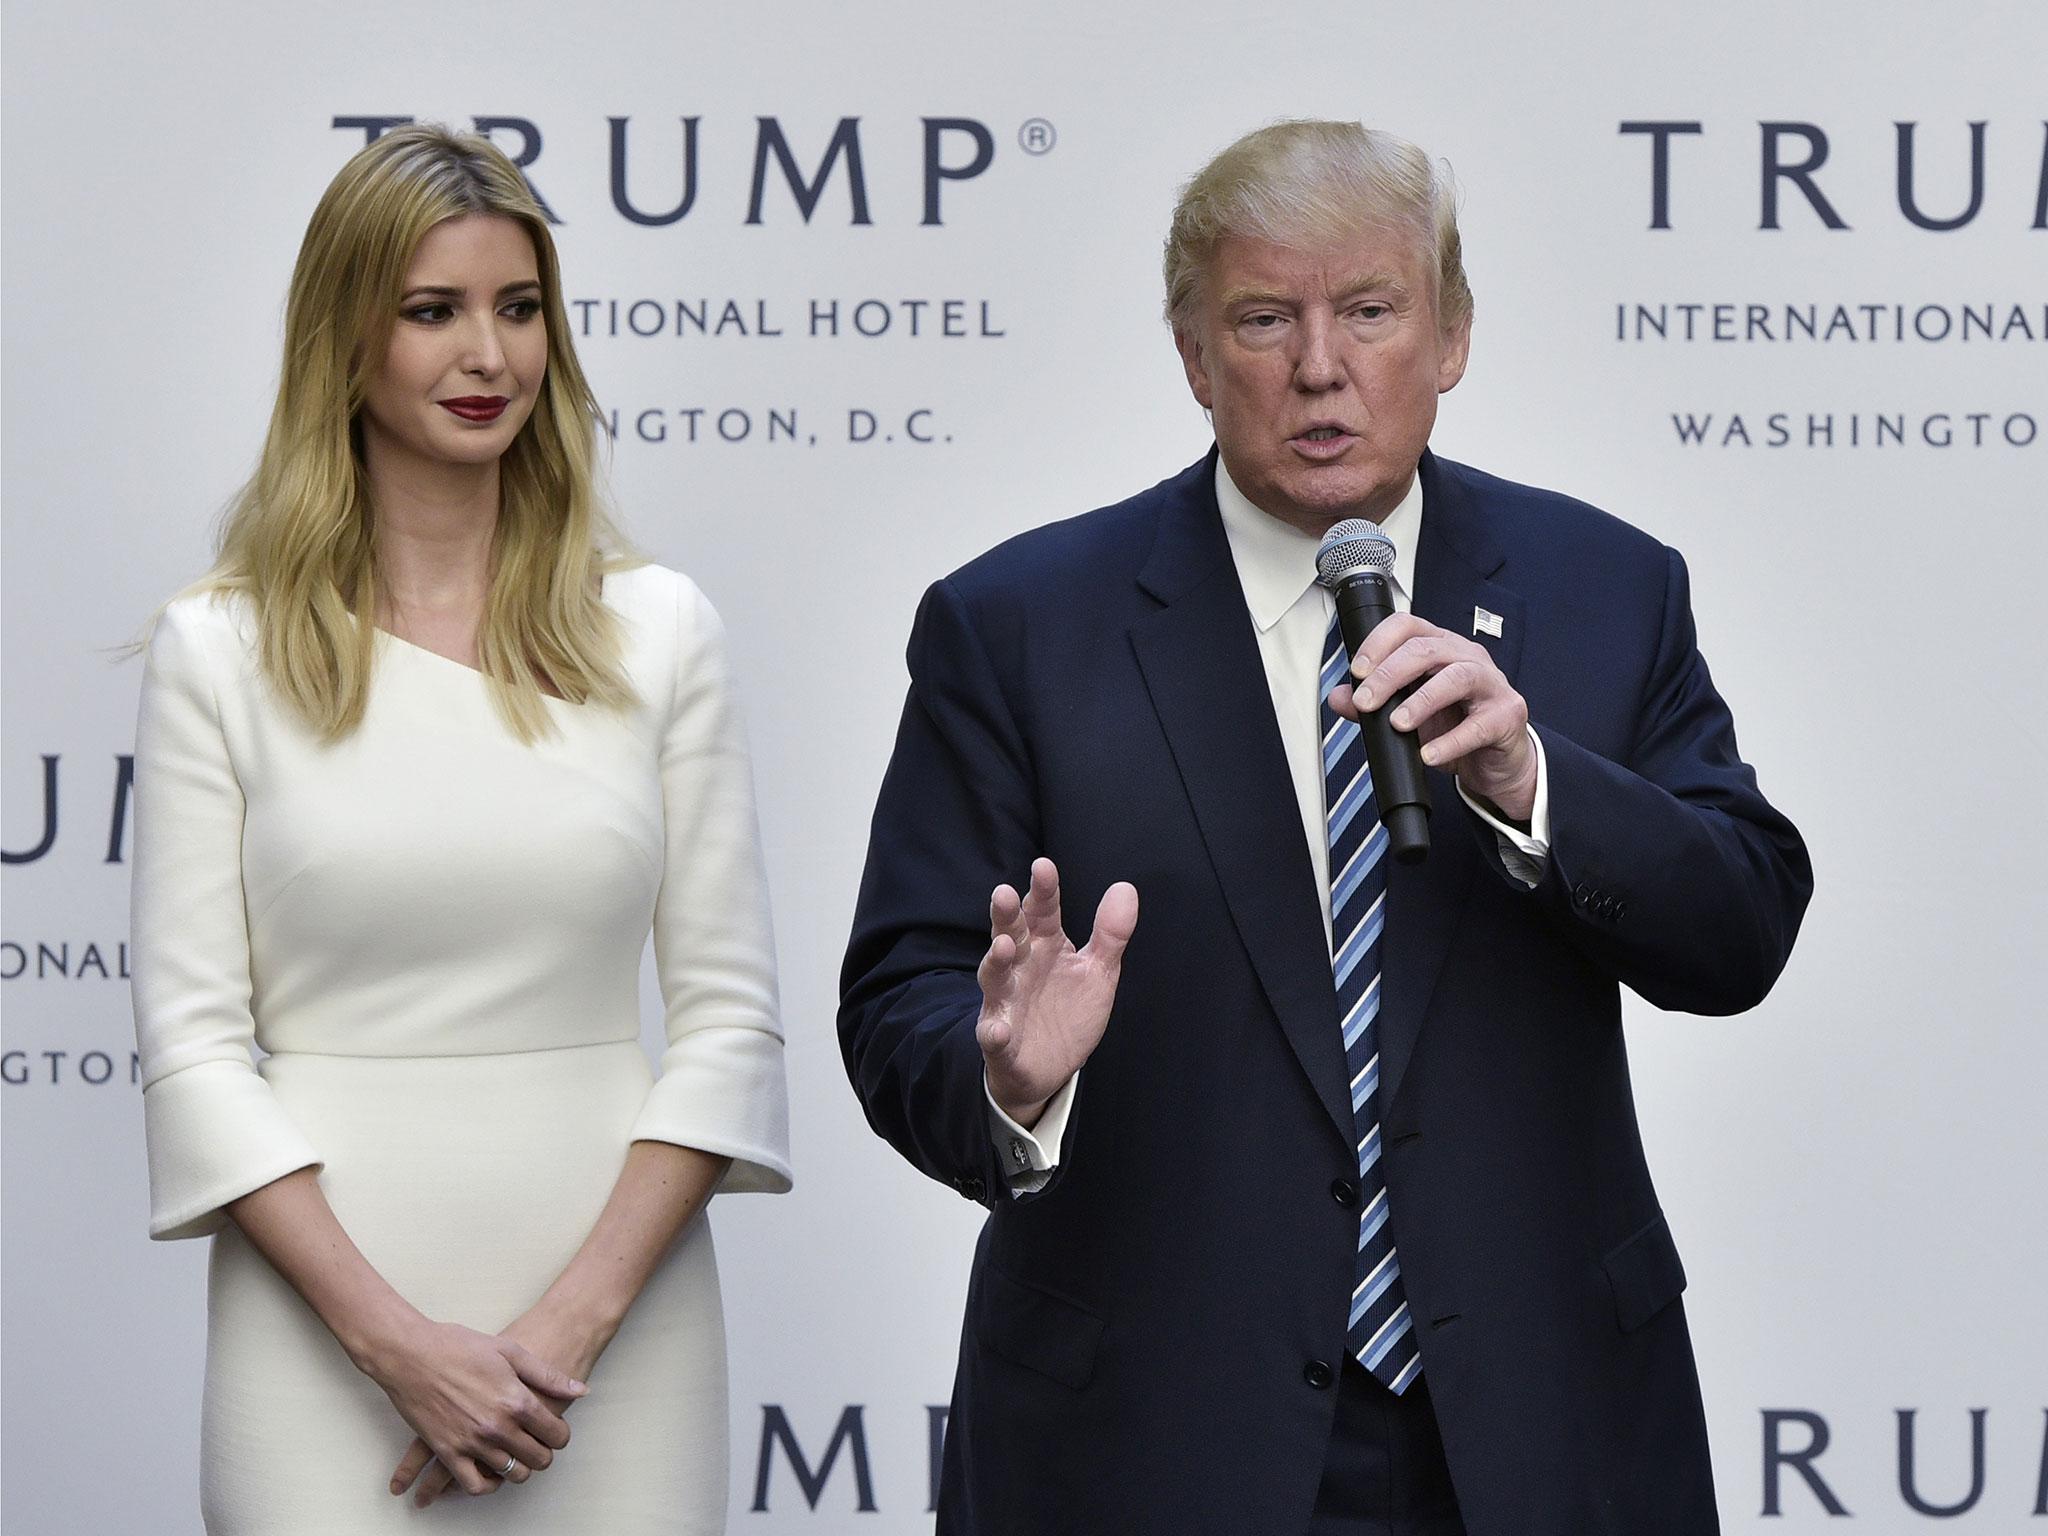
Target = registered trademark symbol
(1037,136)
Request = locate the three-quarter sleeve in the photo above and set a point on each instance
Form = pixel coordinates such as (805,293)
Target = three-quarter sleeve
(214,1130)
(721,1084)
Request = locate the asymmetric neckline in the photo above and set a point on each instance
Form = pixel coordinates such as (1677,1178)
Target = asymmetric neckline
(401,643)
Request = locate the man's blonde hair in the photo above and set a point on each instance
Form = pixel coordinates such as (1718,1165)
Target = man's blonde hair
(1303,183)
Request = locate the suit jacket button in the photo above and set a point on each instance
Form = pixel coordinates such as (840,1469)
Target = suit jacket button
(1345,1193)
(1317,1373)
(973,1189)
(1582,893)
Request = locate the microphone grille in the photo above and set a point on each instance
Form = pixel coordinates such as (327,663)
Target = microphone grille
(1350,546)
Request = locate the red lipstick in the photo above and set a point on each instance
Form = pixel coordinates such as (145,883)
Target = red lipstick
(477,408)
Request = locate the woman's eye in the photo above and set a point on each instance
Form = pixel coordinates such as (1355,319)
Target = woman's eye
(429,314)
(521,309)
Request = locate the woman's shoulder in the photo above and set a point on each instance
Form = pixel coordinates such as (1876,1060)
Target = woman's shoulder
(204,622)
(658,600)
(675,642)
(227,609)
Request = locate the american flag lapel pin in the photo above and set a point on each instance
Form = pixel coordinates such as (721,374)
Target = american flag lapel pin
(1485,623)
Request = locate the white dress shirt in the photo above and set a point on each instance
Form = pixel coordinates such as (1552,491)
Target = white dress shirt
(1276,566)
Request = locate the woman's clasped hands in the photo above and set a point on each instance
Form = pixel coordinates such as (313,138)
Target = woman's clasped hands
(487,1409)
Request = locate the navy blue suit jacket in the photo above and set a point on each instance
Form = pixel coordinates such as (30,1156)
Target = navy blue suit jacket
(1139,1335)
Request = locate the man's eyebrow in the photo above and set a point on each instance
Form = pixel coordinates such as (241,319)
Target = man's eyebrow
(1365,282)
(1244,294)
(1372,282)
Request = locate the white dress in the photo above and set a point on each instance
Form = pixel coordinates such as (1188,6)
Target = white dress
(434,930)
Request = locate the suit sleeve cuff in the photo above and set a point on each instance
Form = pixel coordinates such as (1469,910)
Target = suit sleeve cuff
(1029,1157)
(1525,855)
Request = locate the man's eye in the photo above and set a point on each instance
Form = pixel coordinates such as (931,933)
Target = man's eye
(1262,322)
(1374,311)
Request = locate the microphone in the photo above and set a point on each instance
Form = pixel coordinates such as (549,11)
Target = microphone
(1356,564)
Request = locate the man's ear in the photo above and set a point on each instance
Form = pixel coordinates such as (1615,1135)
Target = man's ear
(1450,363)
(1189,345)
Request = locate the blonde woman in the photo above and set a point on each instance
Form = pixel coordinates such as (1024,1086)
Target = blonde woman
(420,764)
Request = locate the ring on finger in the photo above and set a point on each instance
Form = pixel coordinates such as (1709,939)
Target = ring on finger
(510,1463)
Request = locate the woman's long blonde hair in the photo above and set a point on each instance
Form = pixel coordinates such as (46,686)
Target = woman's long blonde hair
(300,538)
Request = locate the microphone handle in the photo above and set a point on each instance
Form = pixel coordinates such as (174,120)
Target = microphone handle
(1365,600)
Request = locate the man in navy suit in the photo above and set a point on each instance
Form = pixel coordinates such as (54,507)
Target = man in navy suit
(1255,1263)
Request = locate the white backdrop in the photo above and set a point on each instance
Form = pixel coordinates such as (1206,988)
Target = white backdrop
(1854,1170)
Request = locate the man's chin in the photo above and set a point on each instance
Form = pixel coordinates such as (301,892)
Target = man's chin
(1328,499)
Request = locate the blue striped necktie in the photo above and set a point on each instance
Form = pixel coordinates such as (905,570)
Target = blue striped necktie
(1381,1333)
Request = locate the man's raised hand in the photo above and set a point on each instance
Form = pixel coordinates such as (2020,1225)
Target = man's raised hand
(1044,1003)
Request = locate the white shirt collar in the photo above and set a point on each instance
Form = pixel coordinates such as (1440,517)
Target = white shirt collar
(1276,562)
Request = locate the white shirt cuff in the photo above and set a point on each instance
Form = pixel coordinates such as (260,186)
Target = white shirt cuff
(1525,855)
(1029,1157)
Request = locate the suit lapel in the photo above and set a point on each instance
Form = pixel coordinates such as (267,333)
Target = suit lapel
(1200,660)
(1455,563)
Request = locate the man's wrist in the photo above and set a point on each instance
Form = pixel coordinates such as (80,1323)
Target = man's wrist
(1029,1154)
(1514,804)
(1500,813)
(1027,1114)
